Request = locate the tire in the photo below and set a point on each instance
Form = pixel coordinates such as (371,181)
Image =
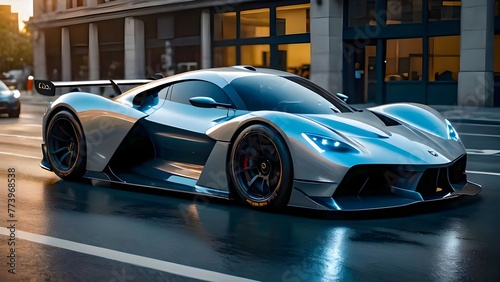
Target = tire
(66,146)
(15,113)
(260,168)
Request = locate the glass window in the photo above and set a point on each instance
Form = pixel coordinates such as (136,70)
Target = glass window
(361,12)
(254,23)
(496,55)
(292,19)
(187,23)
(183,91)
(224,56)
(295,58)
(287,94)
(497,7)
(225,26)
(404,11)
(256,55)
(403,59)
(444,58)
(444,10)
(187,58)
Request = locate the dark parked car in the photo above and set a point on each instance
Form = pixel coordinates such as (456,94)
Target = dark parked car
(9,101)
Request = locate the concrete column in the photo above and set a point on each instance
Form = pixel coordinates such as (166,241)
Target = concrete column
(135,58)
(326,44)
(61,6)
(475,80)
(65,55)
(93,52)
(94,55)
(39,56)
(206,50)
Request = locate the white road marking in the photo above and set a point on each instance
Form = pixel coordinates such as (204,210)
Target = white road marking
(482,152)
(477,124)
(478,134)
(21,136)
(165,266)
(483,172)
(19,155)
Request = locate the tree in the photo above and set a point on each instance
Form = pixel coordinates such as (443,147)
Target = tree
(16,49)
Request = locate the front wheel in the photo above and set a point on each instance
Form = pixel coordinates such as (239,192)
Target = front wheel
(260,167)
(66,146)
(15,113)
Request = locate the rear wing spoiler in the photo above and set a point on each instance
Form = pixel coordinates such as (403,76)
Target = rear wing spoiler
(48,88)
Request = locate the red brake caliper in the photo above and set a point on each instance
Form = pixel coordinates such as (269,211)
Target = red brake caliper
(245,162)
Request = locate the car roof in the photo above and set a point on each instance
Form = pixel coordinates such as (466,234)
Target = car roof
(219,76)
(228,73)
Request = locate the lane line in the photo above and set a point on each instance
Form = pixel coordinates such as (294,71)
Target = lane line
(478,134)
(487,152)
(19,155)
(22,124)
(165,266)
(483,172)
(476,124)
(21,136)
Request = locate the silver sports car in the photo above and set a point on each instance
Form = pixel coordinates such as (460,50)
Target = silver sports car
(268,137)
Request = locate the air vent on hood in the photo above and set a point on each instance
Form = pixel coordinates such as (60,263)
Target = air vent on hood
(250,68)
(386,120)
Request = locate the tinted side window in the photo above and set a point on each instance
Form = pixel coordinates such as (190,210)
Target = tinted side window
(183,91)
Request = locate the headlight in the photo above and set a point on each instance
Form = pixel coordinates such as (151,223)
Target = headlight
(322,143)
(452,133)
(16,93)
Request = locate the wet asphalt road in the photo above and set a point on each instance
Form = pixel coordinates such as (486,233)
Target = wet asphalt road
(165,236)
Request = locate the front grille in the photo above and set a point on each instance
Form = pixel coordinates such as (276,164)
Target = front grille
(369,180)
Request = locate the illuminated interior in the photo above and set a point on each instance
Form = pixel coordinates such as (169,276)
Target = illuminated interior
(403,59)
(444,58)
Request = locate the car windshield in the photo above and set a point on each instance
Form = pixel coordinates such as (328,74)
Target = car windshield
(292,94)
(3,86)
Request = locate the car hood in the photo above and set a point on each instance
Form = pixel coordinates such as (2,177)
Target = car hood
(5,93)
(371,135)
(358,124)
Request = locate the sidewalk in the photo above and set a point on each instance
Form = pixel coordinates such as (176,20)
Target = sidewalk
(479,115)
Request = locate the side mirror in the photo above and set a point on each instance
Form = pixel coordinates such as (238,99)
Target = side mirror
(342,97)
(207,102)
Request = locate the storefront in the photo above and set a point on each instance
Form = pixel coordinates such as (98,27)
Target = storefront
(402,51)
(265,34)
(375,51)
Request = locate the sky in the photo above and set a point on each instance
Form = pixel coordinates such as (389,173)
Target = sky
(24,8)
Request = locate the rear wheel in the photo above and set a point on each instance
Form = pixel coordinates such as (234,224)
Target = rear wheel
(65,146)
(260,167)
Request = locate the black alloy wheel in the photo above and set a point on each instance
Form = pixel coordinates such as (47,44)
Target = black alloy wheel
(65,146)
(260,167)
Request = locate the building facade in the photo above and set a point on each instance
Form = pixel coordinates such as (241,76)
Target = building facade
(8,19)
(380,51)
